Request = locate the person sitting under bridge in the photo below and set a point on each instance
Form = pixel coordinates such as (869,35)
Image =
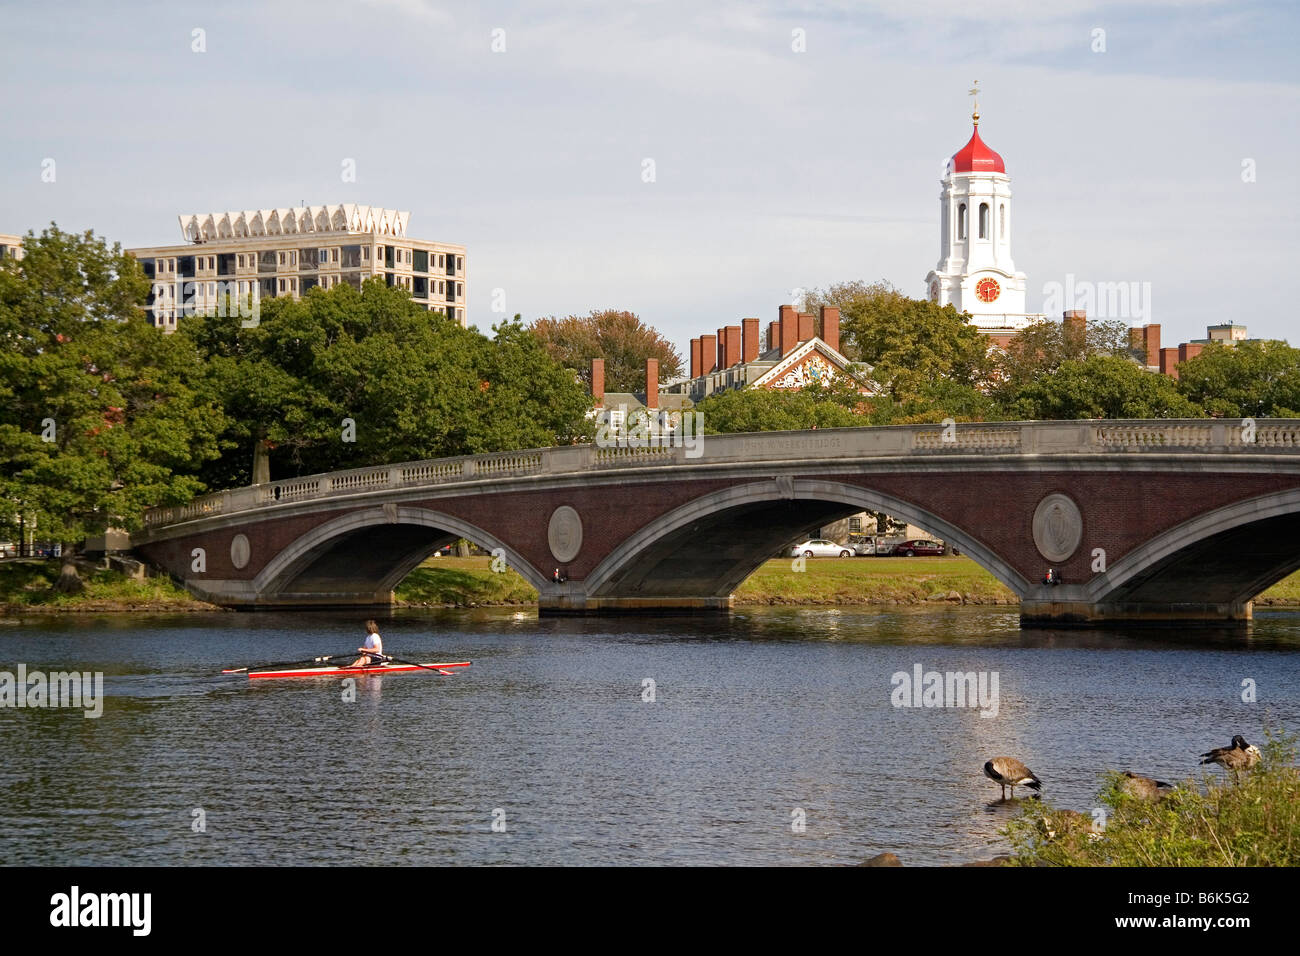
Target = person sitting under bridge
(372,650)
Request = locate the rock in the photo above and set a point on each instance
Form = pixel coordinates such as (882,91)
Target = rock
(938,596)
(882,859)
(1003,860)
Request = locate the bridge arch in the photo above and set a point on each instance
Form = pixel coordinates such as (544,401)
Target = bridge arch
(308,565)
(1225,556)
(745,525)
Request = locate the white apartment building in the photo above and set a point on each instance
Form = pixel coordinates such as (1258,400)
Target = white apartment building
(268,253)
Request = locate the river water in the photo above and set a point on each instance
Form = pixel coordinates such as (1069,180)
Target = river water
(547,751)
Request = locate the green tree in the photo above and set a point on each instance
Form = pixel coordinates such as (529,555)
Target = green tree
(1255,379)
(857,301)
(762,409)
(346,378)
(619,337)
(97,418)
(1102,386)
(1042,347)
(911,344)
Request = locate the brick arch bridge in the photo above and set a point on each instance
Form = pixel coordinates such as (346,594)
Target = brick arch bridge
(1142,520)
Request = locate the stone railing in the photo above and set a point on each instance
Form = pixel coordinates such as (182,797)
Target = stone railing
(986,439)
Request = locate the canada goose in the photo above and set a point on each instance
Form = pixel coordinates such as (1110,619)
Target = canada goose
(1144,788)
(1010,772)
(1240,756)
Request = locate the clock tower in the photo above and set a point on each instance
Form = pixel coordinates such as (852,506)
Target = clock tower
(975,273)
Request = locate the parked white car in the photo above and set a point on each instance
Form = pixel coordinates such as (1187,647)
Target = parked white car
(820,548)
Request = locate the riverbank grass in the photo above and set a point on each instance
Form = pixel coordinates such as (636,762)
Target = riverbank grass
(462,582)
(1211,822)
(28,584)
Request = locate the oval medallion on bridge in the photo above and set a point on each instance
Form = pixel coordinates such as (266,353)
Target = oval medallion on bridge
(1058,527)
(564,534)
(239,551)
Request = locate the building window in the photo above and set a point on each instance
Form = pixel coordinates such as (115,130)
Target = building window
(460,263)
(984,220)
(961,221)
(1002,222)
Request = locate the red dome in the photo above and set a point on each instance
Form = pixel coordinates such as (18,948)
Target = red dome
(976,157)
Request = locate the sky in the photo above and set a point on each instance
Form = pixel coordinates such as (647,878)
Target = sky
(693,162)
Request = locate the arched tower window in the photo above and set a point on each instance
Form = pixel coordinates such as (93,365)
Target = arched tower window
(984,220)
(1002,222)
(961,221)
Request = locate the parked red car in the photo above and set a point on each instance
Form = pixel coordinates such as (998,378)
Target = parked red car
(918,547)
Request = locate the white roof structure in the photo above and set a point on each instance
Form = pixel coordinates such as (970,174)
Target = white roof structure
(251,223)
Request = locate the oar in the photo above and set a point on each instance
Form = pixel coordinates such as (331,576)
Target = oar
(308,660)
(390,657)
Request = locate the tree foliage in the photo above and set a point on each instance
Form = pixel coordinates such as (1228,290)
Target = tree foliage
(1102,386)
(346,378)
(1042,348)
(1248,380)
(764,409)
(619,337)
(98,419)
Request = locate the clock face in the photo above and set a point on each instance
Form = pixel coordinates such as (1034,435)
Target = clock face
(987,289)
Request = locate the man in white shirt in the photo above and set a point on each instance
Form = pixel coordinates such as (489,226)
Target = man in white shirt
(374,645)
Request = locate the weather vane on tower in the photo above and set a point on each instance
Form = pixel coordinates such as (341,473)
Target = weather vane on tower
(975,92)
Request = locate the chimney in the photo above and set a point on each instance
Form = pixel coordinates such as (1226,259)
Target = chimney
(1168,361)
(750,349)
(695,358)
(805,326)
(1151,338)
(708,354)
(598,380)
(722,348)
(831,326)
(1075,321)
(773,335)
(732,353)
(789,330)
(652,384)
(1189,350)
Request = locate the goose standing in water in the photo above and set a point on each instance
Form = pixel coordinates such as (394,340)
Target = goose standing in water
(1010,772)
(1240,756)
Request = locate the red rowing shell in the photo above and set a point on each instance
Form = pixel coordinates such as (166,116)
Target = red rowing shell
(349,671)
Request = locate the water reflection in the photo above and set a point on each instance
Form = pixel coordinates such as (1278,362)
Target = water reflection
(756,718)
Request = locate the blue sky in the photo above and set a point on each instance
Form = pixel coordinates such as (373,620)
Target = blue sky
(774,169)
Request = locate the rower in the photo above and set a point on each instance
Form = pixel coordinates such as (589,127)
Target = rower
(372,649)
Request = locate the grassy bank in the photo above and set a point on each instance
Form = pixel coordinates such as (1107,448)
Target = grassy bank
(27,585)
(874,581)
(464,582)
(1212,822)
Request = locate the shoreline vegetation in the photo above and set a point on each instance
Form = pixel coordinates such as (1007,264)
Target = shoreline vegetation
(26,585)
